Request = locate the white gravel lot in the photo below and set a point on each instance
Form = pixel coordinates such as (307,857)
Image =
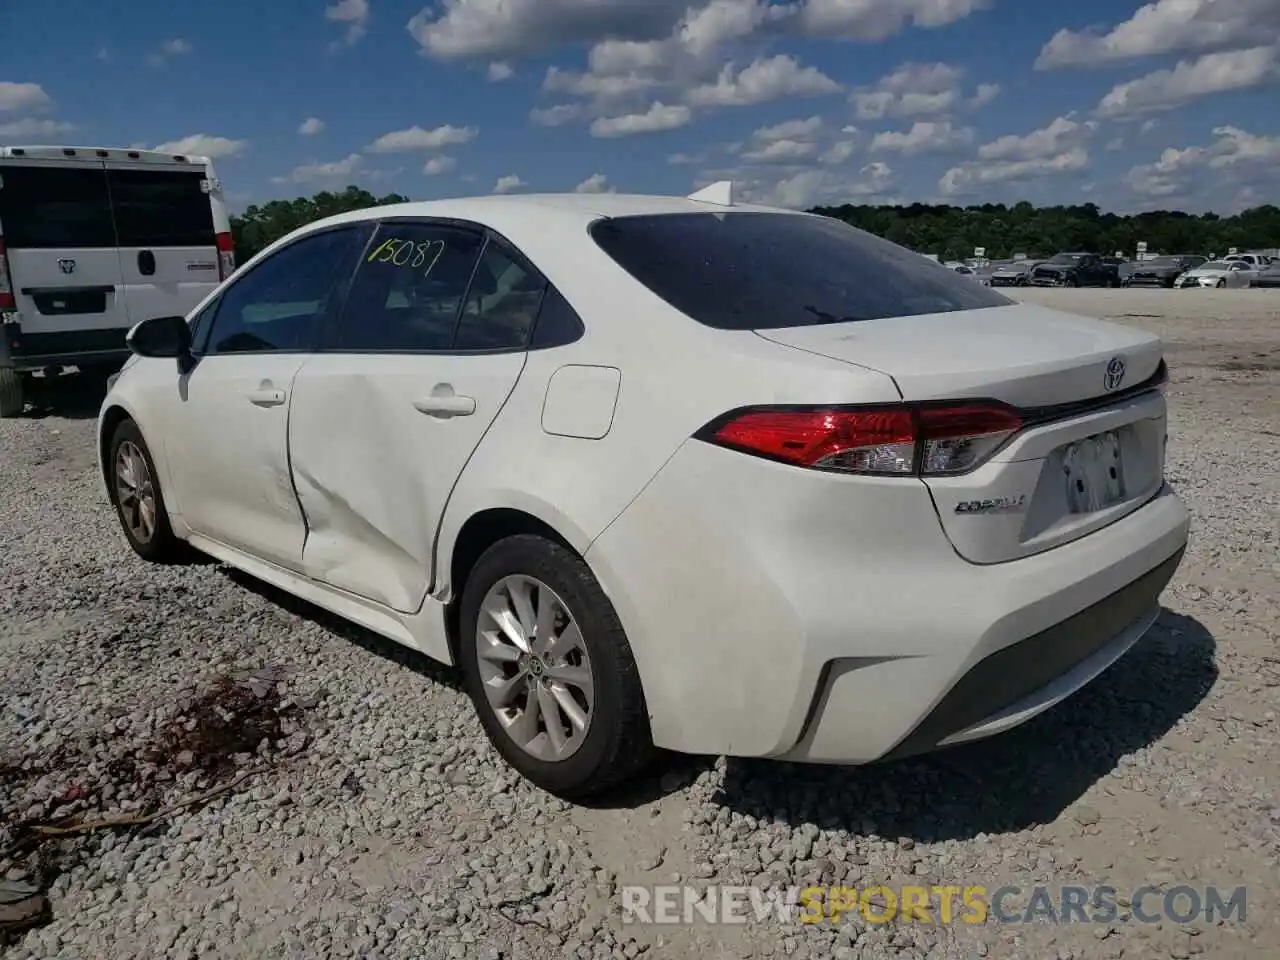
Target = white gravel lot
(376,822)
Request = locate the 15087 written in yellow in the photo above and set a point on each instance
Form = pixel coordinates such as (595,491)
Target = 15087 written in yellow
(406,253)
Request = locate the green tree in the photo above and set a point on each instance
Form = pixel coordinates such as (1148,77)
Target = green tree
(260,226)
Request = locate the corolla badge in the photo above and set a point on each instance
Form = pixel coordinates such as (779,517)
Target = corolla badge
(1115,374)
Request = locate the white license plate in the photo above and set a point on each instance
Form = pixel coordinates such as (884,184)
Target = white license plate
(1094,472)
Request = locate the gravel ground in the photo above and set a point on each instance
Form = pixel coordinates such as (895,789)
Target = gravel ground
(367,817)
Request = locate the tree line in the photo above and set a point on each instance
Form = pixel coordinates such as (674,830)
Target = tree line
(948,232)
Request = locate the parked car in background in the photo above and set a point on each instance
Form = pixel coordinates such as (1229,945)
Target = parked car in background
(1014,274)
(1075,270)
(1219,273)
(1162,271)
(1268,276)
(93,240)
(1255,260)
(637,464)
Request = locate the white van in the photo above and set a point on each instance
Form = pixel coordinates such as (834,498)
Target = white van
(93,240)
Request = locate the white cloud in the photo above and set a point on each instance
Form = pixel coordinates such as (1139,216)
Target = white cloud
(22,96)
(353,13)
(721,21)
(311,126)
(807,188)
(919,90)
(1149,125)
(805,129)
(510,28)
(596,183)
(556,116)
(416,138)
(438,165)
(658,117)
(315,171)
(30,128)
(508,183)
(686,159)
(1192,79)
(169,50)
(781,151)
(872,20)
(204,145)
(604,86)
(1058,137)
(765,79)
(840,152)
(1234,159)
(1115,144)
(1167,26)
(500,70)
(925,136)
(963,178)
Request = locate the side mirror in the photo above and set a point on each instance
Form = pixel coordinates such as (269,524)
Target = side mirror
(160,337)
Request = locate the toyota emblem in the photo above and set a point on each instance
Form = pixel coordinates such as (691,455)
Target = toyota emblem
(1114,375)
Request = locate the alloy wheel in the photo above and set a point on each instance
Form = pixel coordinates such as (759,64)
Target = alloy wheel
(534,667)
(135,492)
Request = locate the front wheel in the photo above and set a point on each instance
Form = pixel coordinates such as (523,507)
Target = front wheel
(1221,284)
(138,499)
(549,669)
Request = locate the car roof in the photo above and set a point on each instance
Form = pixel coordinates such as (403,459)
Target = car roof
(503,211)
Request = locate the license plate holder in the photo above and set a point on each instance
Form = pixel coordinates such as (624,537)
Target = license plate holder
(1093,471)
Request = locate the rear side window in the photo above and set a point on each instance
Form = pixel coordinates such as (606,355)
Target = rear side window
(502,303)
(54,208)
(155,208)
(747,271)
(409,290)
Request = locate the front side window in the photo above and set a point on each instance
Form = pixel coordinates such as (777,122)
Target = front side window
(156,208)
(278,305)
(409,289)
(749,271)
(55,208)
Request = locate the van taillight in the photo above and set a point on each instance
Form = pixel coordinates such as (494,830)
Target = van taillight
(6,285)
(226,255)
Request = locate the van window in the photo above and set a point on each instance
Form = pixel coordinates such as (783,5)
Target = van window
(749,271)
(161,208)
(55,208)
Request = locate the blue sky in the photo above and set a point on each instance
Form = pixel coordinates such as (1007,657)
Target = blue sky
(1173,103)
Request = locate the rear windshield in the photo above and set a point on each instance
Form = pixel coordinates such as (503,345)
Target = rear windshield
(55,207)
(747,271)
(161,209)
(69,207)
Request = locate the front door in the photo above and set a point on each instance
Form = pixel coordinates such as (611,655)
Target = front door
(429,347)
(227,436)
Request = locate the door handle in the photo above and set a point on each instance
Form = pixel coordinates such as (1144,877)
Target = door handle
(146,263)
(266,397)
(446,406)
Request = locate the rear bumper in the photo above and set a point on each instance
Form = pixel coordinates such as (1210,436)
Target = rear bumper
(35,351)
(776,612)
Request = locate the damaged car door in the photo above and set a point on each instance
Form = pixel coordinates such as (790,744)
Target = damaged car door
(228,439)
(426,351)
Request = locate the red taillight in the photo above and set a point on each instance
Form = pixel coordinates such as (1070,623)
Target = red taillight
(7,301)
(226,255)
(903,440)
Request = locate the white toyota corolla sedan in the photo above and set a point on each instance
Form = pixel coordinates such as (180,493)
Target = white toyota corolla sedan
(671,472)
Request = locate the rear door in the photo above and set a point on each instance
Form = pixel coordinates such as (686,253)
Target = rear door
(429,347)
(55,218)
(168,252)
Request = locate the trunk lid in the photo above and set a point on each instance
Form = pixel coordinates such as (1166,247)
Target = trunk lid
(1069,471)
(1024,355)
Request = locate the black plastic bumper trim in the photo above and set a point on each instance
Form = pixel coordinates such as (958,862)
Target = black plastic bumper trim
(1017,671)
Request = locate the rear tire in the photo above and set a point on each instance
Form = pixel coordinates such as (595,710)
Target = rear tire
(581,667)
(135,492)
(11,399)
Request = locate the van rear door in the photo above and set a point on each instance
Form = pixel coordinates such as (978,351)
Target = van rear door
(55,217)
(164,219)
